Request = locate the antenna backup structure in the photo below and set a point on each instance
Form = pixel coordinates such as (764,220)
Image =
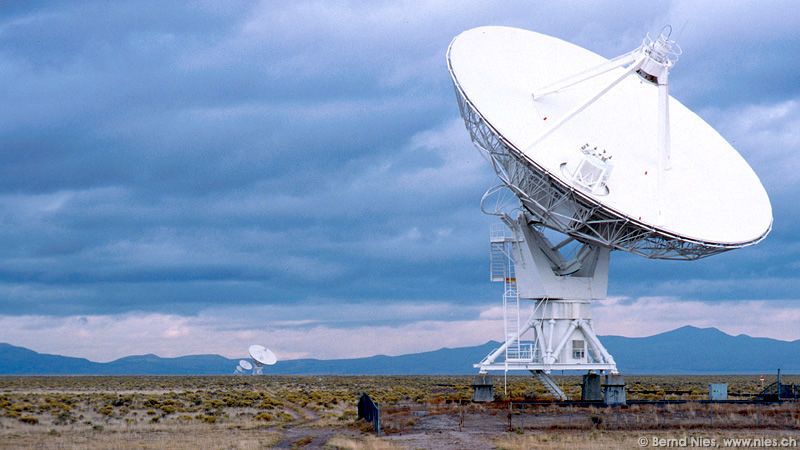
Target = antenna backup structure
(262,357)
(597,154)
(245,365)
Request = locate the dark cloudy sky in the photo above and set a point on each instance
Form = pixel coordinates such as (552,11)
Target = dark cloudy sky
(194,177)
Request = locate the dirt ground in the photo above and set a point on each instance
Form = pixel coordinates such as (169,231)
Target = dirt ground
(319,412)
(440,427)
(524,426)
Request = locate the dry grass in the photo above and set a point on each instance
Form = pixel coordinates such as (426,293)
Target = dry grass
(565,441)
(688,416)
(259,412)
(192,437)
(597,440)
(365,443)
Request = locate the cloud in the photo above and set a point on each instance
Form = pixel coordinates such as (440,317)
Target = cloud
(646,316)
(348,330)
(159,161)
(725,58)
(766,133)
(292,331)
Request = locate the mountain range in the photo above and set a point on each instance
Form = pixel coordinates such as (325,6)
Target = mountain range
(686,350)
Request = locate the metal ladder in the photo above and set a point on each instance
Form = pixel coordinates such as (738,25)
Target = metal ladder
(550,384)
(501,269)
(498,255)
(511,312)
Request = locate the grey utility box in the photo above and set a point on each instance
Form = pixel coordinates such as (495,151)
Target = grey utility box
(718,391)
(614,392)
(590,388)
(482,390)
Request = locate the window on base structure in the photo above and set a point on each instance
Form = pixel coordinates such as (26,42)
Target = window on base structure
(578,349)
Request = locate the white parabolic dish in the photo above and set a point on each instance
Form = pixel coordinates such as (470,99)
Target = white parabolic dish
(262,355)
(709,195)
(245,364)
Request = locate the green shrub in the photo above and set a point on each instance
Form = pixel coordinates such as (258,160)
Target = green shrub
(266,417)
(64,418)
(269,403)
(206,418)
(19,407)
(30,420)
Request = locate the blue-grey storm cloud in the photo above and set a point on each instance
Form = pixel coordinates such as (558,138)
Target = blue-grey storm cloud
(171,157)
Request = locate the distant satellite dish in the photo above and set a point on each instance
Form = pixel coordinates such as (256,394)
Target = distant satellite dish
(245,364)
(262,355)
(237,370)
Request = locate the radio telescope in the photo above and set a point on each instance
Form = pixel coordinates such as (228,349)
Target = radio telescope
(245,364)
(262,357)
(598,157)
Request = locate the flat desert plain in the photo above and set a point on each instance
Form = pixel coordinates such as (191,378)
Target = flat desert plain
(249,412)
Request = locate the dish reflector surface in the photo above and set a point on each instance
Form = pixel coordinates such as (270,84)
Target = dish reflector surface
(262,355)
(246,365)
(710,196)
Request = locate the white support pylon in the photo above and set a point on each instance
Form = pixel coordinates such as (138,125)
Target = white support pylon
(558,329)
